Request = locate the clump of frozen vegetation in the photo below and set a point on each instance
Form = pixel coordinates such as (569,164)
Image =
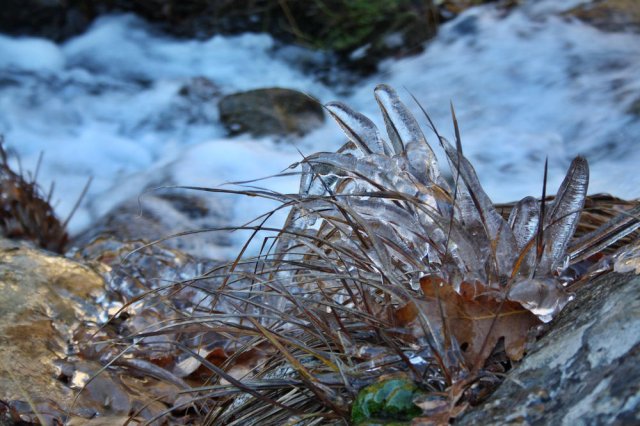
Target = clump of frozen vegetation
(415,224)
(383,268)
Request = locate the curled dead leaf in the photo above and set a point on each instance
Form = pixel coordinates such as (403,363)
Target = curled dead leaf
(476,318)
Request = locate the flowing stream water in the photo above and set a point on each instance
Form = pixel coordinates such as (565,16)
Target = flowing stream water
(526,85)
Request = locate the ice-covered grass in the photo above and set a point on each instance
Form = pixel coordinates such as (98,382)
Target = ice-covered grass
(525,86)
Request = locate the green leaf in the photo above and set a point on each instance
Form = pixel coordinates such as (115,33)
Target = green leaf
(391,399)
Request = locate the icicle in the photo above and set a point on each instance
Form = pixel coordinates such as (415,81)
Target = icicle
(359,129)
(523,220)
(562,219)
(496,228)
(406,135)
(469,215)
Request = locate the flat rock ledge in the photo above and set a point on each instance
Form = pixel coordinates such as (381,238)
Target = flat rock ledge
(585,371)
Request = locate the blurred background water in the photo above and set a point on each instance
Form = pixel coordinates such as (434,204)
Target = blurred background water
(135,106)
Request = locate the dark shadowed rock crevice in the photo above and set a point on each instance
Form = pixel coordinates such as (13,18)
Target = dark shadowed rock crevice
(384,28)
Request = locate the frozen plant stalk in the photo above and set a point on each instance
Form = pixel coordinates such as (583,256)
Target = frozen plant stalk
(385,214)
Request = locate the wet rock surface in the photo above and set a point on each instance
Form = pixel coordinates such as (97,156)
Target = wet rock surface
(161,214)
(57,317)
(43,300)
(584,370)
(271,111)
(609,15)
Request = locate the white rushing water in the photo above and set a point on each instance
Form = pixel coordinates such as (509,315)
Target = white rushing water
(525,85)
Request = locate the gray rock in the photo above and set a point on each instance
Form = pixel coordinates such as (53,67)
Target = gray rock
(585,371)
(161,214)
(272,111)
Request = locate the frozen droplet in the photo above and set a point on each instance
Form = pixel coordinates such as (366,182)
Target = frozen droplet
(544,298)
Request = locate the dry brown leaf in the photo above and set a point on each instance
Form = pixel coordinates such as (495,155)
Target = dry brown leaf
(237,367)
(469,317)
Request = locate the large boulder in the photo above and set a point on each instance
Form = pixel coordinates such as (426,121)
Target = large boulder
(586,370)
(272,111)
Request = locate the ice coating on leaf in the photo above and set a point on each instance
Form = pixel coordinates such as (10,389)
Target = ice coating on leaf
(523,220)
(358,128)
(417,238)
(562,218)
(500,236)
(385,96)
(318,177)
(373,172)
(406,135)
(422,162)
(401,124)
(464,203)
